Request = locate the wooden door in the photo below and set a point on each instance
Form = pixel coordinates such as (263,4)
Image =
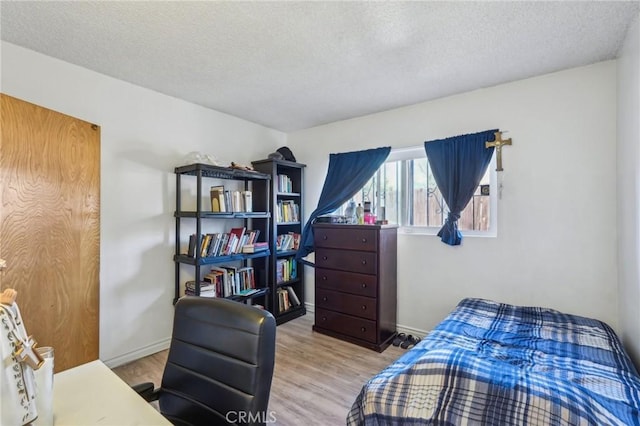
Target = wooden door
(50,226)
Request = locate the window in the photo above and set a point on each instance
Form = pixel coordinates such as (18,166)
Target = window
(405,192)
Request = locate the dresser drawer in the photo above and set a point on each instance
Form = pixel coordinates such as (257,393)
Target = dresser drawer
(350,239)
(347,260)
(348,282)
(346,324)
(359,306)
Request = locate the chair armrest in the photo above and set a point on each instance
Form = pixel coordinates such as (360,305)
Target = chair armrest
(146,391)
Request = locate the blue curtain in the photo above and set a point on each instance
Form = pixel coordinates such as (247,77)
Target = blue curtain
(346,175)
(458,164)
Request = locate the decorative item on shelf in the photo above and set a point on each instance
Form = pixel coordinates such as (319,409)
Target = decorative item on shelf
(286,153)
(369,218)
(275,156)
(239,166)
(282,153)
(195,157)
(350,212)
(360,214)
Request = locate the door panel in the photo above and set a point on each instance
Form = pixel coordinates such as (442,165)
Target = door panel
(50,226)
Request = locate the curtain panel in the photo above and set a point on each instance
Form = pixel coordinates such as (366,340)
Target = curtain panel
(458,164)
(347,173)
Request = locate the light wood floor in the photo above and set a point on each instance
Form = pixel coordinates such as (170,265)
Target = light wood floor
(316,377)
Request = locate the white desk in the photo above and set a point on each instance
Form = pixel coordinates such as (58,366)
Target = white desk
(92,394)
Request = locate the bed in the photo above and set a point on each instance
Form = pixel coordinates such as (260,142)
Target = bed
(491,363)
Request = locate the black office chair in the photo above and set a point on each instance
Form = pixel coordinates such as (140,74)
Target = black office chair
(220,364)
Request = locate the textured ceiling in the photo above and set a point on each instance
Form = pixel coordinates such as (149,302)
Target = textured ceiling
(293,65)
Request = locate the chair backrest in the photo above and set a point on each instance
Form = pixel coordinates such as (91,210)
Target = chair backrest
(220,363)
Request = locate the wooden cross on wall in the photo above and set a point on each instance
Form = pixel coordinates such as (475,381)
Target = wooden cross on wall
(498,143)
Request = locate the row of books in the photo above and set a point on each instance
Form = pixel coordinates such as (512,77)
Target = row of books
(255,247)
(225,201)
(225,281)
(222,243)
(288,241)
(284,183)
(287,299)
(286,270)
(287,211)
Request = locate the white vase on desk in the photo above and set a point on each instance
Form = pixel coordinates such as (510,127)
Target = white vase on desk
(44,388)
(17,383)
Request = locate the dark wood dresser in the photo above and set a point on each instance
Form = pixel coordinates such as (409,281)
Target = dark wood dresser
(355,283)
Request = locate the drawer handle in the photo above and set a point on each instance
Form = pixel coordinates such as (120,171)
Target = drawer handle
(324,237)
(364,307)
(364,240)
(364,262)
(324,257)
(363,285)
(324,278)
(324,299)
(363,329)
(324,318)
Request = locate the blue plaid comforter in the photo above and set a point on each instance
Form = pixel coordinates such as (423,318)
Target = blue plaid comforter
(491,363)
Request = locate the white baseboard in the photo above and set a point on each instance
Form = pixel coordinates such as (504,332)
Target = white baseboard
(410,330)
(311,308)
(138,353)
(399,327)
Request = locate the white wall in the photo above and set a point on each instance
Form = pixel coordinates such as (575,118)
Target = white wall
(628,179)
(144,136)
(556,243)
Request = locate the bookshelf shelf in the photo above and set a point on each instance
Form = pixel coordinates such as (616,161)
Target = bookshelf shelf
(244,269)
(286,253)
(286,207)
(222,215)
(183,258)
(288,283)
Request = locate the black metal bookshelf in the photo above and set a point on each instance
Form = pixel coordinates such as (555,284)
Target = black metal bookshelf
(257,183)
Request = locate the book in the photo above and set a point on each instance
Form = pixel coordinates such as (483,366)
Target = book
(248,201)
(235,236)
(227,201)
(192,245)
(253,236)
(248,292)
(246,277)
(213,245)
(233,285)
(284,303)
(204,248)
(207,289)
(293,268)
(237,201)
(224,280)
(217,199)
(293,297)
(296,240)
(255,247)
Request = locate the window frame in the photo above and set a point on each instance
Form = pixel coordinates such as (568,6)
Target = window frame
(416,152)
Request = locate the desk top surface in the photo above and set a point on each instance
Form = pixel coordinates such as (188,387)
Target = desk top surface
(92,394)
